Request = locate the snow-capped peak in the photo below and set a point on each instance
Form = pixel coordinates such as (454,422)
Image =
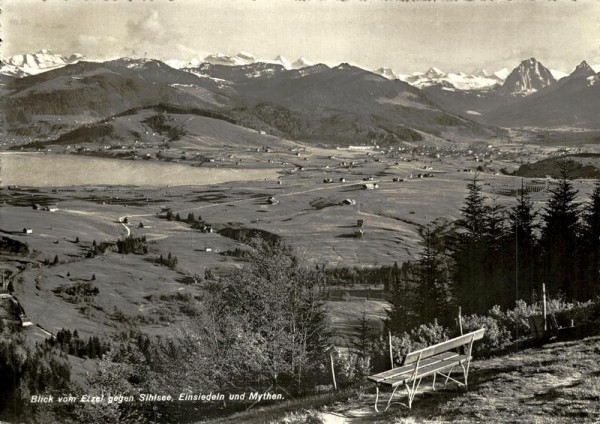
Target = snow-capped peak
(223,59)
(301,63)
(283,61)
(460,81)
(240,59)
(480,72)
(558,74)
(434,73)
(177,64)
(502,74)
(35,63)
(386,72)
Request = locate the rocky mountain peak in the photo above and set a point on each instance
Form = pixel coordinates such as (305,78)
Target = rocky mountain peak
(530,76)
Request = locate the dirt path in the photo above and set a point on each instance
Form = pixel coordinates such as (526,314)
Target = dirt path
(357,413)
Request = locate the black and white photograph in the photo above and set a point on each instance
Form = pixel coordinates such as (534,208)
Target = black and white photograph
(299,211)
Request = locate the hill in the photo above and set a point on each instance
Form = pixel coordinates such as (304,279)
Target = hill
(583,165)
(89,91)
(344,102)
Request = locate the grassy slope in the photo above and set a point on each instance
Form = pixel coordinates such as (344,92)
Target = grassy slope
(558,383)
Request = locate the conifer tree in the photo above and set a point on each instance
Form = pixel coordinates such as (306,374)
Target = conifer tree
(560,235)
(469,252)
(434,299)
(590,279)
(522,241)
(403,314)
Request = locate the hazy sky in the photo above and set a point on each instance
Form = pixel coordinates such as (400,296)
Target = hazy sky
(407,36)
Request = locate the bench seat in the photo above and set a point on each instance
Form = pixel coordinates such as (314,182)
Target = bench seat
(437,365)
(407,370)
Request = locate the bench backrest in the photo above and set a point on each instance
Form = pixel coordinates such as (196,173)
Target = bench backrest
(443,346)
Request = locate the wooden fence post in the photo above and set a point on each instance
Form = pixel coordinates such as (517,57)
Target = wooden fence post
(391,353)
(333,371)
(544,299)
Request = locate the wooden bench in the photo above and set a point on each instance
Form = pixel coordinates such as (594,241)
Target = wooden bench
(441,359)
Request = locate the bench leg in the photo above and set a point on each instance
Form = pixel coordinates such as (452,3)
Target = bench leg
(433,385)
(465,373)
(391,397)
(376,397)
(448,376)
(412,391)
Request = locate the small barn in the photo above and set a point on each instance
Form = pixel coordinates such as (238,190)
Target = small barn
(27,231)
(370,186)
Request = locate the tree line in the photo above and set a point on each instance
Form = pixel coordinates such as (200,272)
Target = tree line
(496,255)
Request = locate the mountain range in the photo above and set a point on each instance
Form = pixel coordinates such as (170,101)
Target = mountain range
(35,63)
(44,60)
(343,104)
(530,96)
(315,103)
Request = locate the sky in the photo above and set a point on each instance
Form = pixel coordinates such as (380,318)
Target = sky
(407,36)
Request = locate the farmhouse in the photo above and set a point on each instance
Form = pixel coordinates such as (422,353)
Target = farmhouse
(27,231)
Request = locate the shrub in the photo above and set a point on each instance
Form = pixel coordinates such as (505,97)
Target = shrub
(496,334)
(352,368)
(516,320)
(401,346)
(429,334)
(584,314)
(419,338)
